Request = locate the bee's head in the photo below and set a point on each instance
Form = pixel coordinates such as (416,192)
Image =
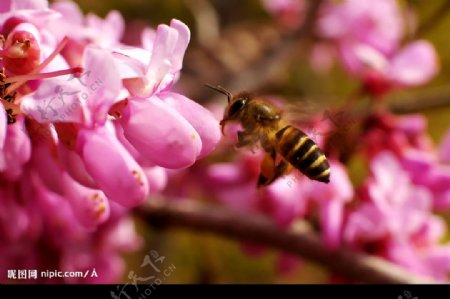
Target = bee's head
(236,104)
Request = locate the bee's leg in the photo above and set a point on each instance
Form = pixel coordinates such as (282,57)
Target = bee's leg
(267,171)
(270,170)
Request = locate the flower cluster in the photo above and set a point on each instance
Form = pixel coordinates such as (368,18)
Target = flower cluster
(368,39)
(89,126)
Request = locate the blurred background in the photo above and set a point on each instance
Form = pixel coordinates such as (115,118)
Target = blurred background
(239,45)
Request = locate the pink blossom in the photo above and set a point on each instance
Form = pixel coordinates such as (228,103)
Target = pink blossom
(412,65)
(16,151)
(91,29)
(376,24)
(395,219)
(285,202)
(407,138)
(398,134)
(444,150)
(176,144)
(367,36)
(331,199)
(425,169)
(190,131)
(160,71)
(102,154)
(390,196)
(289,13)
(232,182)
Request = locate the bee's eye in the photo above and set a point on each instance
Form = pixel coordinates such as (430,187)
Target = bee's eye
(236,107)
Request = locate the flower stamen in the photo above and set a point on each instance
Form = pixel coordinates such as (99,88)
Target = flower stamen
(39,68)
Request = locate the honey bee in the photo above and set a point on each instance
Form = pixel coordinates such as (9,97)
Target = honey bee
(285,146)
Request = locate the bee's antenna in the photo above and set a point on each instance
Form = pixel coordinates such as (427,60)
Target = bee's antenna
(221,90)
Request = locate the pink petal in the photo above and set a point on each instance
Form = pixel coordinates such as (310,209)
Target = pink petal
(112,167)
(322,58)
(157,178)
(14,221)
(158,132)
(431,231)
(331,218)
(47,167)
(70,11)
(444,149)
(359,58)
(121,234)
(28,4)
(90,206)
(71,20)
(225,173)
(103,82)
(148,36)
(55,101)
(438,261)
(142,160)
(167,54)
(339,188)
(131,62)
(364,224)
(107,32)
(74,165)
(414,65)
(16,152)
(3,126)
(284,202)
(201,119)
(60,222)
(5,6)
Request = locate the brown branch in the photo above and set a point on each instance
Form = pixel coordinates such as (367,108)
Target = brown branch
(298,240)
(277,59)
(439,15)
(437,98)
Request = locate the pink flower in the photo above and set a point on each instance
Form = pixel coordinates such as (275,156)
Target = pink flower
(103,155)
(285,201)
(157,74)
(16,150)
(331,199)
(425,169)
(163,135)
(398,134)
(367,36)
(91,29)
(189,131)
(234,184)
(396,221)
(392,197)
(444,150)
(412,65)
(289,13)
(407,138)
(376,24)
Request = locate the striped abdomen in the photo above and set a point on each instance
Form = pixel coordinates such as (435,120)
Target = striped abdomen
(303,153)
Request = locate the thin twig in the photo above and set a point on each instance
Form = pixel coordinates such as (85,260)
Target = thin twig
(299,240)
(439,15)
(277,59)
(437,98)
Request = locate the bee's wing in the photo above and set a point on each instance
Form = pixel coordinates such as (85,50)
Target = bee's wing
(303,110)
